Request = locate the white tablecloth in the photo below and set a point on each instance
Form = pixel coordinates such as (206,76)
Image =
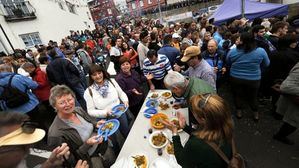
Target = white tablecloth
(137,141)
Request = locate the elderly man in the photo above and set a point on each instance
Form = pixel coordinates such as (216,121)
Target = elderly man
(155,68)
(186,88)
(215,57)
(16,136)
(198,67)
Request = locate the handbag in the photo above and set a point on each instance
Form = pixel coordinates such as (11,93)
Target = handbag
(237,160)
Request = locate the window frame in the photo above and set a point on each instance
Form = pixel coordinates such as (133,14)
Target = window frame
(31,39)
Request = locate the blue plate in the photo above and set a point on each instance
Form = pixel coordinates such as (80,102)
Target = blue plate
(115,127)
(150,111)
(117,112)
(151,103)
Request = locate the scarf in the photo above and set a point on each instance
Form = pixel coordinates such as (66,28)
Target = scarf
(102,90)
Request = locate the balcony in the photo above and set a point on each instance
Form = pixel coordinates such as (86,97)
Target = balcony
(18,11)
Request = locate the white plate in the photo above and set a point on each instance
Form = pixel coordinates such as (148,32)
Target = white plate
(156,133)
(151,94)
(166,97)
(132,163)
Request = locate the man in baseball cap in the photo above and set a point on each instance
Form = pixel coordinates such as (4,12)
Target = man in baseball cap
(198,67)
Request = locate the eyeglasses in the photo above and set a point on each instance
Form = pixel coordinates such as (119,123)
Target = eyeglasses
(63,103)
(202,103)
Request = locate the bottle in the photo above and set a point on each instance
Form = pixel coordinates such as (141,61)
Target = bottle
(160,152)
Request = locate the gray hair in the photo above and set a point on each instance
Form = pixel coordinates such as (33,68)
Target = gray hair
(174,79)
(27,65)
(59,91)
(5,68)
(213,41)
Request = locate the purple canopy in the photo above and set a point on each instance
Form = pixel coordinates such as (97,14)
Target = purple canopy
(231,9)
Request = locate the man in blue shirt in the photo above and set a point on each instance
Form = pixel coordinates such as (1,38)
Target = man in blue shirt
(155,68)
(172,53)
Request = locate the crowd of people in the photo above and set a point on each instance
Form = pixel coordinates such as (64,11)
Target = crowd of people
(65,87)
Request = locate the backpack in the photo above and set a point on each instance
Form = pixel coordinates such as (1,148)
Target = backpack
(12,96)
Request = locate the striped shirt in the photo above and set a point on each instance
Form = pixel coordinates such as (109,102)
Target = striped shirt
(159,68)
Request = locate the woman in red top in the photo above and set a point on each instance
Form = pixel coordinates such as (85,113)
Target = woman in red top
(130,53)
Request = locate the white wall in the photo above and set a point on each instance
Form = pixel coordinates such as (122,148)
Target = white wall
(52,22)
(173,1)
(281,1)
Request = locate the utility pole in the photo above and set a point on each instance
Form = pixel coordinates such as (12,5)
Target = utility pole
(243,8)
(160,14)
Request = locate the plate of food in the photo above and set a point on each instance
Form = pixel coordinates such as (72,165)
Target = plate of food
(151,103)
(175,121)
(119,109)
(169,149)
(163,106)
(166,95)
(154,95)
(158,139)
(139,161)
(156,120)
(110,125)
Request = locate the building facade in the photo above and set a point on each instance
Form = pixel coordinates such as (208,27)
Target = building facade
(26,23)
(136,7)
(101,9)
(121,5)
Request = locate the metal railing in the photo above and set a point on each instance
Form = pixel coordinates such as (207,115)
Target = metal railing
(18,11)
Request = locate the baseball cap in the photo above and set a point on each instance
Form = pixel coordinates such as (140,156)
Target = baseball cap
(176,35)
(20,137)
(190,52)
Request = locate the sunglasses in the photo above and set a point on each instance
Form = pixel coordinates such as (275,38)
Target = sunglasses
(202,103)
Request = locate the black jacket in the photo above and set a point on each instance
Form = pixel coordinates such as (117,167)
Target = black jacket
(62,71)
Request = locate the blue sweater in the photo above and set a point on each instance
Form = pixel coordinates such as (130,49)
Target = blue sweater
(20,82)
(247,65)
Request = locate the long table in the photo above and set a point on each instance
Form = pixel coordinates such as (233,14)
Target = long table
(137,141)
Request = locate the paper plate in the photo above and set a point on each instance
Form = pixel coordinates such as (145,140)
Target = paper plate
(133,163)
(115,127)
(117,112)
(166,95)
(150,110)
(151,103)
(154,95)
(161,162)
(154,134)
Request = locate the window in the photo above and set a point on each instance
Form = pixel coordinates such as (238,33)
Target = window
(149,1)
(71,7)
(31,39)
(133,6)
(141,3)
(61,5)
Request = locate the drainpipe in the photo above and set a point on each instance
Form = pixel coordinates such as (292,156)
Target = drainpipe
(7,38)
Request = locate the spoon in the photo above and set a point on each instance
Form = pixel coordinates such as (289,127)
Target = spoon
(106,134)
